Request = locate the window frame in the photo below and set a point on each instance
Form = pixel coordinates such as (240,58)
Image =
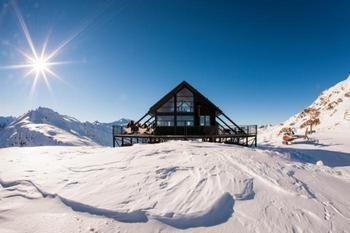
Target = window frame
(181,120)
(205,119)
(185,96)
(170,122)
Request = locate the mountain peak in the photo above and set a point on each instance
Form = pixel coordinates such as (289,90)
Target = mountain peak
(45,110)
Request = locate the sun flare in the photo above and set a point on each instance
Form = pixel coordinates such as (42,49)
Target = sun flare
(40,65)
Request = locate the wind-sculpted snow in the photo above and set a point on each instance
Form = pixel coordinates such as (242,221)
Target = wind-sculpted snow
(129,217)
(187,186)
(247,192)
(216,214)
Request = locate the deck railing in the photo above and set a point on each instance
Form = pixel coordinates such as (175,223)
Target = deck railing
(117,129)
(247,129)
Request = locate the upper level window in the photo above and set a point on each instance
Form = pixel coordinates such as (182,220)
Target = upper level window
(168,106)
(204,120)
(184,101)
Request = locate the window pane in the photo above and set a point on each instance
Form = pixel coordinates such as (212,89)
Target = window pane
(167,107)
(184,101)
(204,120)
(165,121)
(207,120)
(185,121)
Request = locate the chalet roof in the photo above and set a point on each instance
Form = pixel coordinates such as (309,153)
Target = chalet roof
(179,87)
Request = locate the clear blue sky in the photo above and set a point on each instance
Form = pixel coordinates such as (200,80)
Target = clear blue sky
(259,61)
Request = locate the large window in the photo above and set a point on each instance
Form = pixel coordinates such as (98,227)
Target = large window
(184,101)
(168,106)
(185,120)
(165,120)
(204,120)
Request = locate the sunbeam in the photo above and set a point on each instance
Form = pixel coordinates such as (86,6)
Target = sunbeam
(24,28)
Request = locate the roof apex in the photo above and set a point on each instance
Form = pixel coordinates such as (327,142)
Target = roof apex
(181,85)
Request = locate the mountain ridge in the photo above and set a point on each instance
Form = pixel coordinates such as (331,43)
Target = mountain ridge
(44,126)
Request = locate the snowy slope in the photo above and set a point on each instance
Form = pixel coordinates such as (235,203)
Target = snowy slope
(168,187)
(5,121)
(43,126)
(331,109)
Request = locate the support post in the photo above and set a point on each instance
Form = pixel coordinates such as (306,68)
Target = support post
(256,143)
(225,123)
(141,119)
(147,121)
(233,123)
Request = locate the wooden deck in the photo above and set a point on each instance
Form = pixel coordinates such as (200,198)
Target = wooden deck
(239,139)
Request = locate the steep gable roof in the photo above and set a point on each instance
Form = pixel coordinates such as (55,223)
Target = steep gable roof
(179,87)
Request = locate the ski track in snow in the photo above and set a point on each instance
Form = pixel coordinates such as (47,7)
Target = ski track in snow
(178,186)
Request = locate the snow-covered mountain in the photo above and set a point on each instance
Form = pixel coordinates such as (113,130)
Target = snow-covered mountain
(329,115)
(5,121)
(44,126)
(331,109)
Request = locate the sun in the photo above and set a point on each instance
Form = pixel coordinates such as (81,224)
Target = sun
(39,65)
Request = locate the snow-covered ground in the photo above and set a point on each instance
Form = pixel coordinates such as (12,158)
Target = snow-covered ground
(168,187)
